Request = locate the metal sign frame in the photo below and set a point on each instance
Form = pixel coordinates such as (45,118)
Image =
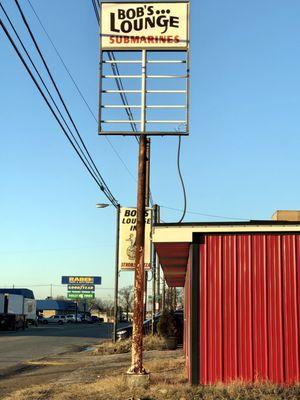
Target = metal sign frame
(146,126)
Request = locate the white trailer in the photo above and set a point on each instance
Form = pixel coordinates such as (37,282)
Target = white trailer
(30,311)
(12,314)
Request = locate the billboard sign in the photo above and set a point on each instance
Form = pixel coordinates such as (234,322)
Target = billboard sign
(93,280)
(144,25)
(81,288)
(80,295)
(127,238)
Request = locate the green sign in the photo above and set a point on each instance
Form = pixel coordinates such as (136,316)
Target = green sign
(79,295)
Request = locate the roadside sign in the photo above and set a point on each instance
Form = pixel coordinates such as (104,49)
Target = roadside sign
(145,25)
(93,280)
(152,40)
(81,288)
(127,238)
(80,295)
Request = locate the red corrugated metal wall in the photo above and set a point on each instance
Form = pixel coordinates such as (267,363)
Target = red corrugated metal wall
(250,308)
(187,305)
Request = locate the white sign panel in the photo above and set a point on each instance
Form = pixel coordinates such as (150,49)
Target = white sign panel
(128,235)
(150,25)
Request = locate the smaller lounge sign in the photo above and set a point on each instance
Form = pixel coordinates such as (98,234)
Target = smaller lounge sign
(149,25)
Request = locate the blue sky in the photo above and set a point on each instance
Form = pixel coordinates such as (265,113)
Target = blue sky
(240,160)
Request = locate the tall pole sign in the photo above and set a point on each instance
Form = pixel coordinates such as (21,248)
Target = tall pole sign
(160,95)
(81,287)
(144,50)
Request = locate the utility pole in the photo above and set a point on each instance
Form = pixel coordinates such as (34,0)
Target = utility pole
(155,207)
(147,201)
(137,334)
(116,273)
(158,269)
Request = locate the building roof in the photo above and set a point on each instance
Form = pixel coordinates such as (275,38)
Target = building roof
(58,305)
(183,232)
(172,241)
(27,293)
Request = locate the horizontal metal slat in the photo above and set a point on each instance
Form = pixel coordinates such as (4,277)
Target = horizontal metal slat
(119,121)
(166,76)
(166,91)
(120,91)
(119,106)
(121,76)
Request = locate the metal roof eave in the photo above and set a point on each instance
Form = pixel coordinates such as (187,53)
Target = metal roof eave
(176,233)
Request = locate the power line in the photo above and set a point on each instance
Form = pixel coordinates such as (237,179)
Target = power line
(103,183)
(120,86)
(118,80)
(52,110)
(78,89)
(45,86)
(181,180)
(206,215)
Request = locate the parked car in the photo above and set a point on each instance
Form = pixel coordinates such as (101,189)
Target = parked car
(87,319)
(40,319)
(55,319)
(95,319)
(126,331)
(72,317)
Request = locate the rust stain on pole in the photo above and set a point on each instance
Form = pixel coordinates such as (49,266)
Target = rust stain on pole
(139,273)
(137,336)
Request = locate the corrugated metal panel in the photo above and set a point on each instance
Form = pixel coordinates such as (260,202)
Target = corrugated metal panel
(187,307)
(249,307)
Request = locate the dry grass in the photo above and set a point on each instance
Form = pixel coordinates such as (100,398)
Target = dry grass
(124,346)
(167,382)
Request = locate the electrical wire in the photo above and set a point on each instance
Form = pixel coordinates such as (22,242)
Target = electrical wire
(103,183)
(111,199)
(78,89)
(120,87)
(118,80)
(59,94)
(207,215)
(123,96)
(45,86)
(181,180)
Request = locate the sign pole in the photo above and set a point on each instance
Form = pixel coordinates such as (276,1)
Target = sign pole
(154,271)
(116,274)
(137,336)
(76,310)
(147,205)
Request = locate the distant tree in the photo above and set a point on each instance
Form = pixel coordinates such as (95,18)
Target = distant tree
(60,298)
(126,299)
(180,298)
(102,305)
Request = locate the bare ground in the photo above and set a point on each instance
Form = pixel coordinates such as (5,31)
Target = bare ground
(94,376)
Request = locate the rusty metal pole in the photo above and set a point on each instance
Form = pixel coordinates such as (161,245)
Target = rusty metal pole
(158,270)
(115,326)
(154,262)
(137,334)
(147,202)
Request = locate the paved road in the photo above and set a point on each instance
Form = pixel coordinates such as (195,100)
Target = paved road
(43,341)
